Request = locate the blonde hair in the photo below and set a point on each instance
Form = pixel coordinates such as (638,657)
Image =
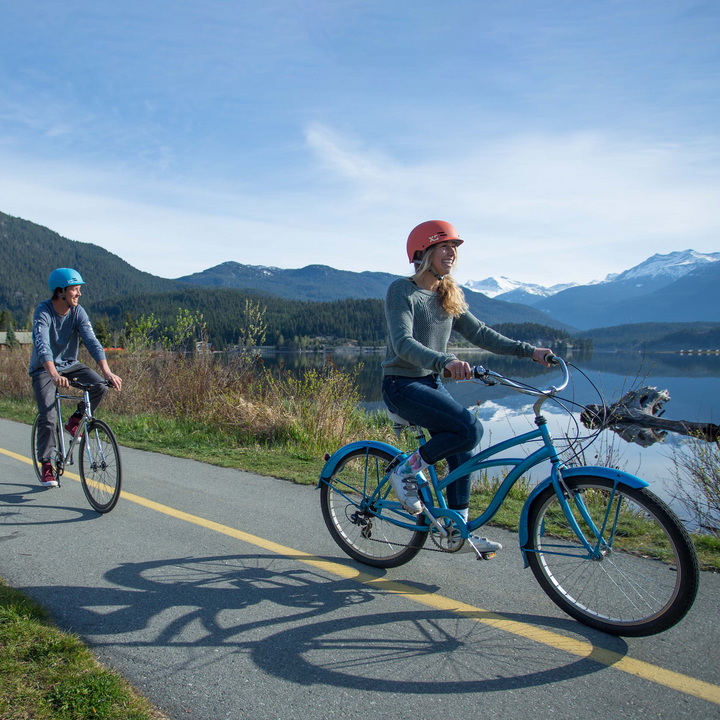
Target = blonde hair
(449,293)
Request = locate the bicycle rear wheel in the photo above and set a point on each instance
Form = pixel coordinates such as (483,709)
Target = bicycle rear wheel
(100,469)
(645,577)
(366,532)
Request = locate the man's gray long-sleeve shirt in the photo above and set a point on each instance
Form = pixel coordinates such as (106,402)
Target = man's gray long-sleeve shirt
(419,330)
(57,338)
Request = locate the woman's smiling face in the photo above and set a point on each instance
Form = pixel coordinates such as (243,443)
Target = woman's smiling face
(444,257)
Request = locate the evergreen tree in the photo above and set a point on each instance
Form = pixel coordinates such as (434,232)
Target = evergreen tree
(10,339)
(102,331)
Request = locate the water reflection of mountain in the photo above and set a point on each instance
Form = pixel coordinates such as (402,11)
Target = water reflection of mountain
(654,364)
(369,368)
(693,381)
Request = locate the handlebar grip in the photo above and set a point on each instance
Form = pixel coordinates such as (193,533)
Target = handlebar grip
(551,359)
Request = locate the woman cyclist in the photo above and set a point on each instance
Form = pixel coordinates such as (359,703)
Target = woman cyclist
(421,312)
(58,325)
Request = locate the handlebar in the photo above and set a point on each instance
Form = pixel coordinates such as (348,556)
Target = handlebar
(490,377)
(86,386)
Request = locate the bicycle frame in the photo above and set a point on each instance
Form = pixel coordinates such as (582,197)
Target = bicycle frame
(67,457)
(436,506)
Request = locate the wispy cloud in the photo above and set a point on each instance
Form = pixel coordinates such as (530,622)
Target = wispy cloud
(540,208)
(560,137)
(528,197)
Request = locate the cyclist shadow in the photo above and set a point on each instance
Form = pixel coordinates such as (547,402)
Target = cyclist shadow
(297,624)
(202,601)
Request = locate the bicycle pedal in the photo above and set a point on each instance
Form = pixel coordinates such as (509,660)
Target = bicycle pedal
(487,555)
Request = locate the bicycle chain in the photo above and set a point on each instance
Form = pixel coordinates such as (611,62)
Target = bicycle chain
(429,549)
(424,547)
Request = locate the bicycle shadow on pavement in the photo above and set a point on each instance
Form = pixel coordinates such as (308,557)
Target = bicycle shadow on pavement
(298,624)
(425,652)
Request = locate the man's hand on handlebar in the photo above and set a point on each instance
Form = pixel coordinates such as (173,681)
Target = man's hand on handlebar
(60,381)
(114,380)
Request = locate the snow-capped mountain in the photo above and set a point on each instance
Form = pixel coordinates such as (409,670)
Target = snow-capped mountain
(677,287)
(667,267)
(493,287)
(662,268)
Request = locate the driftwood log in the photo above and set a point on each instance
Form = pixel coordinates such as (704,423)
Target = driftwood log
(636,417)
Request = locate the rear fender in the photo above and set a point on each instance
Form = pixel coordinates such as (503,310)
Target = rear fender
(339,455)
(617,476)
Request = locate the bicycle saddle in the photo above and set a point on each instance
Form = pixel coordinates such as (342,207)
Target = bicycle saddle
(397,420)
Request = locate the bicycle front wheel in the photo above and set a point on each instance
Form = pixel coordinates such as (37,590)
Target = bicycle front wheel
(643,575)
(100,469)
(365,531)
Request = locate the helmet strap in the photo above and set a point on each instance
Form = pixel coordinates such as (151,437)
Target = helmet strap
(64,299)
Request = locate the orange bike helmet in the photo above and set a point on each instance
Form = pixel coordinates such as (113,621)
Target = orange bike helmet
(429,233)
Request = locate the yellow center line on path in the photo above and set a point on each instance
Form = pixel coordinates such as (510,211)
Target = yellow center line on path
(661,676)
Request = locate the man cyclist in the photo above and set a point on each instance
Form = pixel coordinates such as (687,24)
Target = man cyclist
(58,325)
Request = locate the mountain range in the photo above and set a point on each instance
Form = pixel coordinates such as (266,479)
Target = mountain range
(677,287)
(320,283)
(509,290)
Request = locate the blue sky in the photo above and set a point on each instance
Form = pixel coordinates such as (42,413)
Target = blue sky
(565,139)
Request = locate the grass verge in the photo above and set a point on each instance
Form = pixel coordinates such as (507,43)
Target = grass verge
(224,447)
(46,674)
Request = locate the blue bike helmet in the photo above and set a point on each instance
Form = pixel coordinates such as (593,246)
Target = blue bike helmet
(62,277)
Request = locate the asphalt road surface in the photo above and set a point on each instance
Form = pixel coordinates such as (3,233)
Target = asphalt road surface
(220,594)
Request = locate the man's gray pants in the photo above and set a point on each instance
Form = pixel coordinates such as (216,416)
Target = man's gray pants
(44,390)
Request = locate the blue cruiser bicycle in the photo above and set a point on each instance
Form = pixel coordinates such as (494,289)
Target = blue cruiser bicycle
(606,550)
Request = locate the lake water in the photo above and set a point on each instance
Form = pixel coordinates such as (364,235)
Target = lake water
(693,382)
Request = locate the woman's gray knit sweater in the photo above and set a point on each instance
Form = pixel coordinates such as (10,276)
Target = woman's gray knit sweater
(419,330)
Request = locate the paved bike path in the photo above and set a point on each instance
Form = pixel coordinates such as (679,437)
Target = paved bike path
(219,594)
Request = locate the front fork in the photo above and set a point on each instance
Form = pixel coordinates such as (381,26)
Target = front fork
(566,496)
(62,459)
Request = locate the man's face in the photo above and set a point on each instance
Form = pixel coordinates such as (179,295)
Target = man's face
(72,295)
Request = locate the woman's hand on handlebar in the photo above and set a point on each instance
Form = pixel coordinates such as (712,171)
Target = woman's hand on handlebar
(541,355)
(458,370)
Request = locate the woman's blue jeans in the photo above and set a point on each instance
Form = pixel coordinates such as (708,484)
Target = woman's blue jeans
(454,430)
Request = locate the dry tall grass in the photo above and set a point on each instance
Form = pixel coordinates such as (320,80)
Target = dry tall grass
(317,410)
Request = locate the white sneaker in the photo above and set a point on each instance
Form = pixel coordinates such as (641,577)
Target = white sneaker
(482,544)
(405,487)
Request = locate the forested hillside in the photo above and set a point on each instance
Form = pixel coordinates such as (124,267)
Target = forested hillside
(30,252)
(288,321)
(318,283)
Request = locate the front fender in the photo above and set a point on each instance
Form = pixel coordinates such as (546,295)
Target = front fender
(618,476)
(339,455)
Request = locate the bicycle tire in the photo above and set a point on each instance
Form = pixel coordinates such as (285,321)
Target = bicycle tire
(647,576)
(368,534)
(100,466)
(33,449)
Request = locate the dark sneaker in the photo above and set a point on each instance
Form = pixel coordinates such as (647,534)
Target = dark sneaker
(72,425)
(47,476)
